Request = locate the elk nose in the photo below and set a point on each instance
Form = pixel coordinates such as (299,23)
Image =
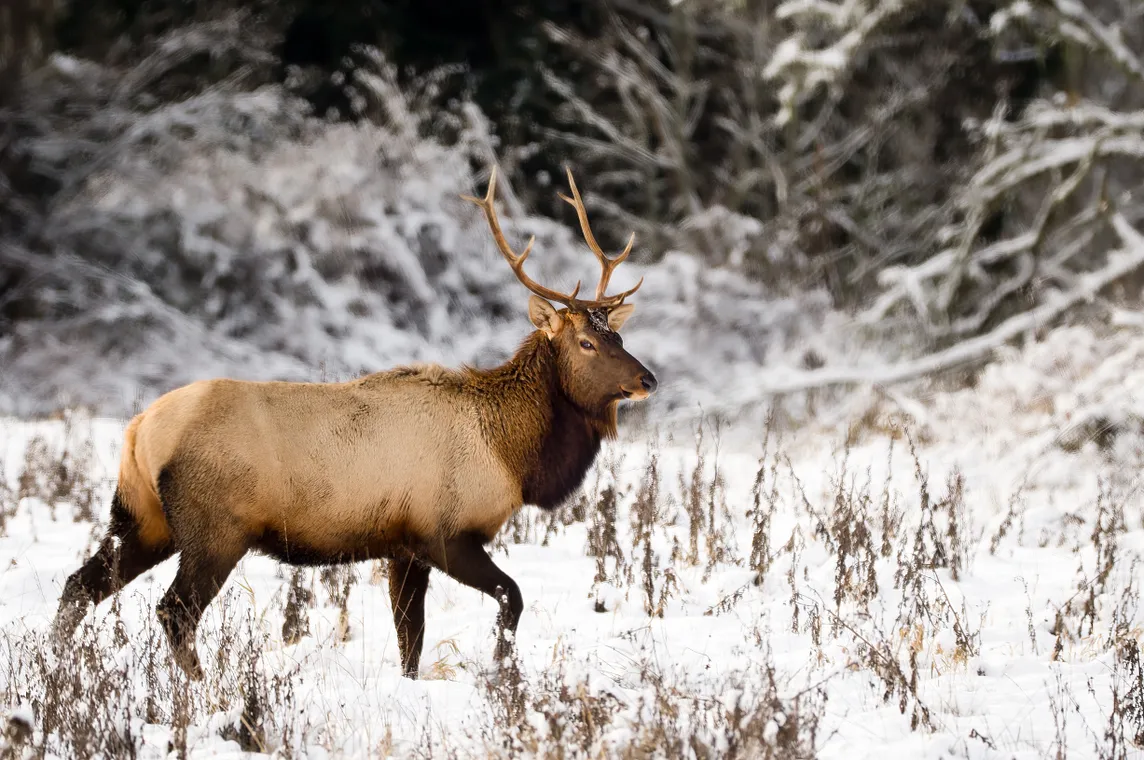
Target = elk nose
(649,383)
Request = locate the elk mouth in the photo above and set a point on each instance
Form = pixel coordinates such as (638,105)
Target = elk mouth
(639,395)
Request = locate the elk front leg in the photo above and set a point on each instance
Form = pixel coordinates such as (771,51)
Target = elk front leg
(408,582)
(464,559)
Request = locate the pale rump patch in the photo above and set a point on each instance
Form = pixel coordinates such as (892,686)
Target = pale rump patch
(137,489)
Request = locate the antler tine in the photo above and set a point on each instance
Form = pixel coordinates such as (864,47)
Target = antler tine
(487,205)
(619,299)
(608,265)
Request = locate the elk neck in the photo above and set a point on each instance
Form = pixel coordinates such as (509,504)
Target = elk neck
(544,439)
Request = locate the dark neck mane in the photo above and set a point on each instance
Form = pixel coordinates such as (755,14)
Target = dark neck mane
(536,430)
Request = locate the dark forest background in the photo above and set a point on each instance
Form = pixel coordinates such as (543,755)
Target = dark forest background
(944,165)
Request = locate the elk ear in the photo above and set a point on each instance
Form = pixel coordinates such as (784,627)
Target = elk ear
(618,315)
(544,316)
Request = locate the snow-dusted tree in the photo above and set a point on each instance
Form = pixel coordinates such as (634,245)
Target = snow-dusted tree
(1048,217)
(819,141)
(1053,172)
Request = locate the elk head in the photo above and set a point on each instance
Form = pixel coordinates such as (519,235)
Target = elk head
(595,370)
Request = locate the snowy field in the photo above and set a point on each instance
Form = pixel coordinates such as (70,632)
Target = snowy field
(819,592)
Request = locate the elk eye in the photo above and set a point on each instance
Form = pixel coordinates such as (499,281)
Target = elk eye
(587,345)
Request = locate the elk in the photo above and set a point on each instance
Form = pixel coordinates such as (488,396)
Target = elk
(418,465)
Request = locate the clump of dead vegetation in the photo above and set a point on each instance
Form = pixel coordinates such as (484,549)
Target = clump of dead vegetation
(1100,565)
(299,598)
(56,472)
(562,714)
(7,503)
(98,697)
(858,527)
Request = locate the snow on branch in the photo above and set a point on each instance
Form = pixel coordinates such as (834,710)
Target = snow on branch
(802,66)
(1071,20)
(1025,220)
(931,284)
(1119,264)
(1036,160)
(1087,29)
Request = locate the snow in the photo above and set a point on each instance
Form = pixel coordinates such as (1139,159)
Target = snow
(1006,16)
(993,676)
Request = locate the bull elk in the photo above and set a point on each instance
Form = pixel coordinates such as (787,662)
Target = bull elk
(419,465)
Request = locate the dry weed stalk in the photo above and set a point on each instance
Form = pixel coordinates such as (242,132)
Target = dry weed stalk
(339,581)
(645,517)
(848,537)
(603,535)
(57,475)
(764,505)
(295,620)
(692,492)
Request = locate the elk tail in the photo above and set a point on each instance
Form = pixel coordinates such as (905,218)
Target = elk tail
(136,493)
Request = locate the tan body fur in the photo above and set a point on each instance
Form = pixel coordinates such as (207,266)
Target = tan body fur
(312,464)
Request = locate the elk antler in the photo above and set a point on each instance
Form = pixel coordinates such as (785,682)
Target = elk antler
(515,261)
(609,265)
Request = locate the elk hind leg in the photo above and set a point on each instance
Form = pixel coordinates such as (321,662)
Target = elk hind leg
(202,573)
(408,583)
(209,545)
(122,556)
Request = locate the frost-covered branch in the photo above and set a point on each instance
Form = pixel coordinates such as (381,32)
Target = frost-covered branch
(933,283)
(802,66)
(1086,28)
(1119,264)
(931,287)
(1043,175)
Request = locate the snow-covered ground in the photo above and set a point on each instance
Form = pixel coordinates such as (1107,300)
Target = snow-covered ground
(980,600)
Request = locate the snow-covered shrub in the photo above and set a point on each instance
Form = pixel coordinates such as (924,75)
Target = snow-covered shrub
(231,232)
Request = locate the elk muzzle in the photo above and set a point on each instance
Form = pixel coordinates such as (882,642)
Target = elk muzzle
(644,385)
